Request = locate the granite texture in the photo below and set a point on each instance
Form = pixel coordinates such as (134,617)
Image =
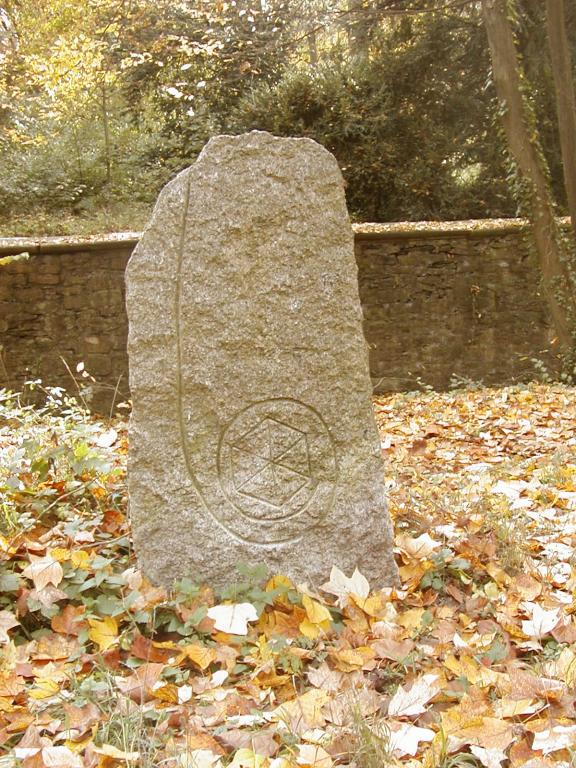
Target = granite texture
(252,436)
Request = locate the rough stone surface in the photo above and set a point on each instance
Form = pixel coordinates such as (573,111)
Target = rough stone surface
(252,434)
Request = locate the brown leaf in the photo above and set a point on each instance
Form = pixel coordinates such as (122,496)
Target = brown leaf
(7,621)
(137,686)
(44,571)
(56,647)
(261,742)
(145,649)
(70,620)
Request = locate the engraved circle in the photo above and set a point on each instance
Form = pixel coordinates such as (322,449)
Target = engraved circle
(277,464)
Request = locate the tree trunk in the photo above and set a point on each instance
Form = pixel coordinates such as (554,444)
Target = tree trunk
(524,148)
(106,126)
(312,48)
(357,27)
(565,101)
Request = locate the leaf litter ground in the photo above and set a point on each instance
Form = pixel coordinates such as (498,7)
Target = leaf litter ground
(471,662)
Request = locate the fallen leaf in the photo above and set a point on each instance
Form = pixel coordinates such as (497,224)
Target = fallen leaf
(246,758)
(318,618)
(7,621)
(343,586)
(313,756)
(490,758)
(404,738)
(43,571)
(419,548)
(103,632)
(542,621)
(199,655)
(138,685)
(233,618)
(108,750)
(554,739)
(407,703)
(61,757)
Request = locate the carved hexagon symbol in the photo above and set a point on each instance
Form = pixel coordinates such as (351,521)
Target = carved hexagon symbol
(271,462)
(277,470)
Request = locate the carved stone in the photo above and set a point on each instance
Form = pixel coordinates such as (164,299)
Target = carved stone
(252,436)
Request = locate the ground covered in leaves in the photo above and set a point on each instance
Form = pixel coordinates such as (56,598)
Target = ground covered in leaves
(472,662)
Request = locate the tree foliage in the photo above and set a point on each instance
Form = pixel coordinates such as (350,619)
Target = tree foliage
(106,100)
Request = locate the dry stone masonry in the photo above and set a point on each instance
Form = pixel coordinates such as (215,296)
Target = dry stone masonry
(252,434)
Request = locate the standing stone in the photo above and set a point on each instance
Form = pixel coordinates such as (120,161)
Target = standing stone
(252,436)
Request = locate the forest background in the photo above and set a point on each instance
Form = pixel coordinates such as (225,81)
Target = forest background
(103,101)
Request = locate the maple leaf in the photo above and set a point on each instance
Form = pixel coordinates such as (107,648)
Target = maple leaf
(199,758)
(107,439)
(343,586)
(108,750)
(407,703)
(80,559)
(318,618)
(404,738)
(44,688)
(103,632)
(43,571)
(419,548)
(81,719)
(483,731)
(138,685)
(7,621)
(47,596)
(246,758)
(303,712)
(199,655)
(233,618)
(61,757)
(491,758)
(313,756)
(349,659)
(70,621)
(262,742)
(542,621)
(554,739)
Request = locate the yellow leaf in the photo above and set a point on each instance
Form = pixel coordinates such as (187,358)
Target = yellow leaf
(350,659)
(374,605)
(475,673)
(278,581)
(116,754)
(6,547)
(312,631)
(60,554)
(506,708)
(44,688)
(318,618)
(199,655)
(246,758)
(80,746)
(167,693)
(412,618)
(316,612)
(467,724)
(104,633)
(306,709)
(81,559)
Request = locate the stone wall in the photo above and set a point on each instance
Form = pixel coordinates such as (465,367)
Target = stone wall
(440,301)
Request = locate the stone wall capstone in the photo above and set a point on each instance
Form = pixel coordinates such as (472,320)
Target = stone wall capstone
(439,300)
